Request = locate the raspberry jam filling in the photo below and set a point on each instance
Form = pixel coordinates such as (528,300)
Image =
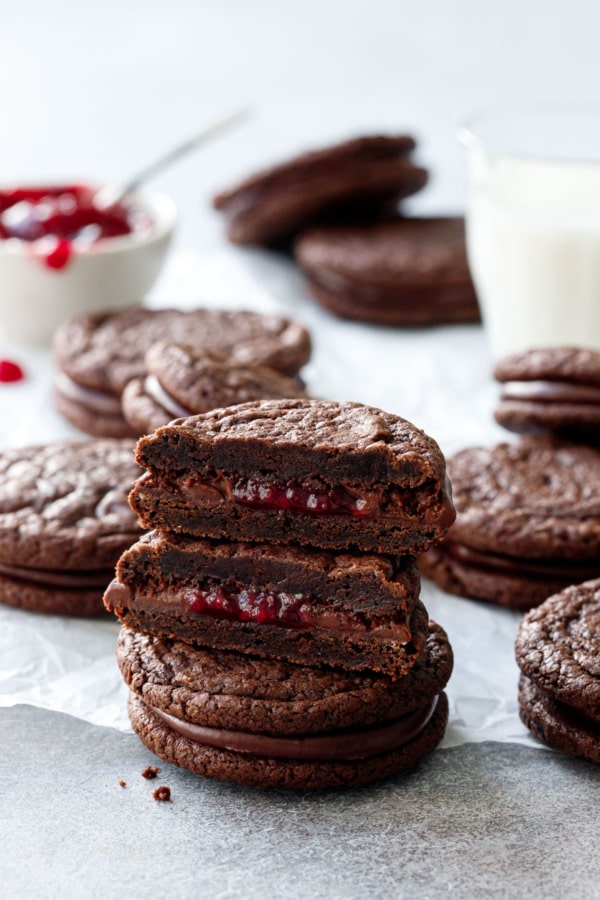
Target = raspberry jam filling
(262,607)
(326,501)
(55,220)
(261,493)
(287,610)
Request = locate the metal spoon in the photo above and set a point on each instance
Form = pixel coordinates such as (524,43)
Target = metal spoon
(111,194)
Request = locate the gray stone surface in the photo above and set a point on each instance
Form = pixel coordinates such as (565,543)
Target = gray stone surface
(479,820)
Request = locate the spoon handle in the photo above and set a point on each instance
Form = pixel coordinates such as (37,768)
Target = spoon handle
(112,194)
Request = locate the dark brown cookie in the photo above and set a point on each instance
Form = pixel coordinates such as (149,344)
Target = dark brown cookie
(184,380)
(272,724)
(407,272)
(528,522)
(558,647)
(558,652)
(323,474)
(99,354)
(64,521)
(305,606)
(346,181)
(223,689)
(558,725)
(552,390)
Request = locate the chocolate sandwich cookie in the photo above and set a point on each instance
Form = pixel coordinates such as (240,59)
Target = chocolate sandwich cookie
(551,390)
(99,354)
(314,472)
(274,724)
(306,606)
(183,380)
(558,652)
(343,182)
(406,272)
(528,522)
(64,522)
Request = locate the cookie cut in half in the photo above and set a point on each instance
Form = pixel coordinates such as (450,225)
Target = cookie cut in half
(318,473)
(307,606)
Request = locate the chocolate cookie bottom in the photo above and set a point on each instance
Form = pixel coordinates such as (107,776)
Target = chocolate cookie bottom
(52,600)
(557,724)
(267,771)
(415,307)
(514,583)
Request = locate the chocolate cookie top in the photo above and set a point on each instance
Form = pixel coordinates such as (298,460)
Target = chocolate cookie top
(536,498)
(558,647)
(64,505)
(184,380)
(106,350)
(275,203)
(576,365)
(231,690)
(399,253)
(375,445)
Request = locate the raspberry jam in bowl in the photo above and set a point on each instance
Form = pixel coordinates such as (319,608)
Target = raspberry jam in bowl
(62,253)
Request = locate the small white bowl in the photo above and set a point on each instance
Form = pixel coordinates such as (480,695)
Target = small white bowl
(112,274)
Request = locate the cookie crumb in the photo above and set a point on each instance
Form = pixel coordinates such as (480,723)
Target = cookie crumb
(122,783)
(162,793)
(150,772)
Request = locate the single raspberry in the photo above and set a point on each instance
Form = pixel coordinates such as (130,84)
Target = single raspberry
(10,371)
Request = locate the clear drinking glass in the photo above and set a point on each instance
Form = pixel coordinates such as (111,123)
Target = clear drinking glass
(533,226)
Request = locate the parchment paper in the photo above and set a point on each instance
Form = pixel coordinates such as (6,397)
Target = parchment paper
(439,378)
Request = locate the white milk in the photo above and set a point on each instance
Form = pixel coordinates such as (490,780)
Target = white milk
(533,238)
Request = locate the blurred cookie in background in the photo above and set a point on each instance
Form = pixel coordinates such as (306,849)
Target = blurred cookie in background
(360,178)
(404,272)
(183,380)
(551,390)
(99,354)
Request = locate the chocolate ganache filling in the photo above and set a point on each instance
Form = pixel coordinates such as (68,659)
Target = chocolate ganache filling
(331,746)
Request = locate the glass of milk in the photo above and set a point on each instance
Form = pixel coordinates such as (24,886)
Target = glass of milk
(533,226)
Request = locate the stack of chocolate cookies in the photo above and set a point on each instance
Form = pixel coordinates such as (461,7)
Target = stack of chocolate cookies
(274,634)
